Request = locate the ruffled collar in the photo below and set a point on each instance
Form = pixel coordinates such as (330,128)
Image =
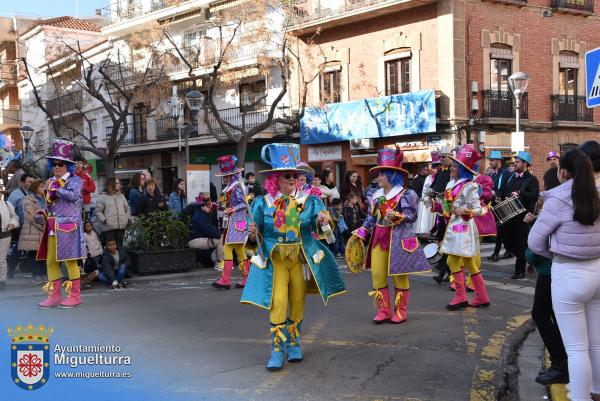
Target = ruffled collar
(390,195)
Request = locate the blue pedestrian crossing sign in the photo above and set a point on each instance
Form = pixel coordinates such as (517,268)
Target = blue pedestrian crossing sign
(592,78)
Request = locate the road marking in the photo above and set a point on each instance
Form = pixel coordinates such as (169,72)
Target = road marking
(471,324)
(483,384)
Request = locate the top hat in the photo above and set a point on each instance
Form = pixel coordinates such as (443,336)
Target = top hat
(281,157)
(62,150)
(227,165)
(526,157)
(390,159)
(305,168)
(436,157)
(496,155)
(446,151)
(551,154)
(467,156)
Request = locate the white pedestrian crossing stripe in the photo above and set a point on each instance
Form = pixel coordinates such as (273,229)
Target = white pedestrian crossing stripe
(595,92)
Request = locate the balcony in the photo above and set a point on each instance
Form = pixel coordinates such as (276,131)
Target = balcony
(308,16)
(166,129)
(500,104)
(8,73)
(570,108)
(235,115)
(9,117)
(69,102)
(135,134)
(576,6)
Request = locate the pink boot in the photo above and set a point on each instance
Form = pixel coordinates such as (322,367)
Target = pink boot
(481,299)
(400,306)
(382,298)
(224,282)
(460,299)
(54,298)
(73,294)
(245,271)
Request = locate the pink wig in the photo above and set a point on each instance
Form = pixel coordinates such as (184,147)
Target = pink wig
(271,183)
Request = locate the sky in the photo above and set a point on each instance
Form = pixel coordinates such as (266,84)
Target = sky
(50,8)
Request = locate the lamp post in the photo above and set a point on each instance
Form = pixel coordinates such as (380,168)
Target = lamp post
(27,133)
(177,113)
(518,85)
(194,100)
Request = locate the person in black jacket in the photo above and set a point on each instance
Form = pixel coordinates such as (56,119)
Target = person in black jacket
(205,235)
(438,186)
(151,201)
(550,176)
(419,181)
(526,187)
(114,265)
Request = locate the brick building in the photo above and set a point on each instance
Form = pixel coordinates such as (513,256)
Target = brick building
(464,50)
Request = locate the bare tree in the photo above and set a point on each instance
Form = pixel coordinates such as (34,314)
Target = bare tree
(115,82)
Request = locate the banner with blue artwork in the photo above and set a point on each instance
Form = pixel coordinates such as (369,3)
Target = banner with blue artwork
(404,114)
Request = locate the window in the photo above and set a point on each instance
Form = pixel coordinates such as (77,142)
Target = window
(253,96)
(500,67)
(397,76)
(330,86)
(567,73)
(193,35)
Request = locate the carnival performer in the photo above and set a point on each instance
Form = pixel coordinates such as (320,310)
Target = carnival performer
(62,240)
(394,249)
(461,240)
(287,224)
(438,185)
(235,222)
(305,176)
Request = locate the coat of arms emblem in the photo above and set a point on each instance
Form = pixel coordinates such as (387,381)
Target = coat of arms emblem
(30,355)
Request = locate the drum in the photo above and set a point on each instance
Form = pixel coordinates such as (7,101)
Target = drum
(356,254)
(425,219)
(508,209)
(432,253)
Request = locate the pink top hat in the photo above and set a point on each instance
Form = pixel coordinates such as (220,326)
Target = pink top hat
(390,159)
(62,150)
(467,156)
(228,165)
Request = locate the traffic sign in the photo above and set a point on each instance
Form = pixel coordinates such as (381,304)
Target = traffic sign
(592,78)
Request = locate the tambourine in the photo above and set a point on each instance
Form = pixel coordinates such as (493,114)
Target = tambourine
(355,254)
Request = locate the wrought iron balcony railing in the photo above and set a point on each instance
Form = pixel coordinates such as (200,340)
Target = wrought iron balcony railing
(301,13)
(8,73)
(135,134)
(501,104)
(122,11)
(583,5)
(166,129)
(66,103)
(238,117)
(570,108)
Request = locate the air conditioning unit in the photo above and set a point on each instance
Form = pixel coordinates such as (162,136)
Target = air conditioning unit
(361,144)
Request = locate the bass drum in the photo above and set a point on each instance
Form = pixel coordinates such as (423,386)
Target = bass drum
(425,219)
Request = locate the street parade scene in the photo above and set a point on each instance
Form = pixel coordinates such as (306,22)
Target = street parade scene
(353,200)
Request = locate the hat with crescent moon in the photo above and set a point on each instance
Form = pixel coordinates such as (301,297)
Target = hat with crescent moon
(62,150)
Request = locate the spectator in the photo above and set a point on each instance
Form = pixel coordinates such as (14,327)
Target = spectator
(204,233)
(113,212)
(8,222)
(253,187)
(115,263)
(568,231)
(353,215)
(551,175)
(16,200)
(351,185)
(89,186)
(94,254)
(419,181)
(370,190)
(137,189)
(328,188)
(336,214)
(177,198)
(316,183)
(306,175)
(151,201)
(14,168)
(30,236)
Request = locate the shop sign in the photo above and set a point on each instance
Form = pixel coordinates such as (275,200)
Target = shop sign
(323,153)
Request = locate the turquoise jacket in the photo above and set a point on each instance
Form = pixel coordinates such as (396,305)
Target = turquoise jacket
(542,264)
(326,276)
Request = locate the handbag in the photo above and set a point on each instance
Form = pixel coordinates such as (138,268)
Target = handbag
(486,223)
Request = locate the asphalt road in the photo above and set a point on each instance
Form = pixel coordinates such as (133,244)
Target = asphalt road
(190,341)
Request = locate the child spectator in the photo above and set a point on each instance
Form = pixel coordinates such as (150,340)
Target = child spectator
(94,252)
(336,213)
(353,215)
(114,265)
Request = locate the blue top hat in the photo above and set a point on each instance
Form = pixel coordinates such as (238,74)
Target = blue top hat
(281,156)
(526,157)
(496,155)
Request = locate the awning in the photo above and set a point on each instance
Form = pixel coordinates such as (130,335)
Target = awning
(129,173)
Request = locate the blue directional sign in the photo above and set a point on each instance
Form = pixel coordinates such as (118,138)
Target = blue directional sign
(592,78)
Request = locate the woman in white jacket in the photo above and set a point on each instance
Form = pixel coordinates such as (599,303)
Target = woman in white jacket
(112,210)
(10,221)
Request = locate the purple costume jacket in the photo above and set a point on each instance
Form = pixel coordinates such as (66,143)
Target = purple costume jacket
(63,218)
(237,223)
(406,254)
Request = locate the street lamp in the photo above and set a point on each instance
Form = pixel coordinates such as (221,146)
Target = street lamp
(194,100)
(518,85)
(27,133)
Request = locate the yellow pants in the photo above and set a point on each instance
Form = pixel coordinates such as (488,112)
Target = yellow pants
(379,271)
(53,266)
(240,251)
(455,263)
(289,287)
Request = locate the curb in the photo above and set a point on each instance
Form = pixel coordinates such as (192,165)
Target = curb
(558,392)
(507,386)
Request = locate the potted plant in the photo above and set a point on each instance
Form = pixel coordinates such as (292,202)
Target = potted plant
(157,244)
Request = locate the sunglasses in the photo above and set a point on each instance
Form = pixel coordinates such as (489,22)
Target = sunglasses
(58,164)
(288,176)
